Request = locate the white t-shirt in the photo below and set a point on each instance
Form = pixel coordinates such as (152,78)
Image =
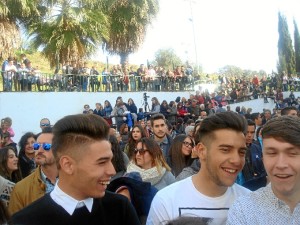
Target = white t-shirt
(183,199)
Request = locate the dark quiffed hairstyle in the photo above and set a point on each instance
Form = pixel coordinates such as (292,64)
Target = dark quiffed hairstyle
(222,120)
(157,116)
(286,110)
(75,131)
(285,128)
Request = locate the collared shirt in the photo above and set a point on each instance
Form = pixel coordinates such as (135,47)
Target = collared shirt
(69,203)
(262,207)
(47,182)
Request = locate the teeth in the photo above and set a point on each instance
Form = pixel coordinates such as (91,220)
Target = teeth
(230,170)
(105,182)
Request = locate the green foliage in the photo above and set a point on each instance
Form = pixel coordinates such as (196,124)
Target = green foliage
(70,31)
(286,52)
(167,59)
(129,20)
(297,46)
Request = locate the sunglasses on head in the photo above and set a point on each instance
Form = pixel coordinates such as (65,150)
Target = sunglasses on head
(45,124)
(140,150)
(188,144)
(45,146)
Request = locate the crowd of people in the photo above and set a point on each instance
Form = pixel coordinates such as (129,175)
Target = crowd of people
(20,75)
(188,157)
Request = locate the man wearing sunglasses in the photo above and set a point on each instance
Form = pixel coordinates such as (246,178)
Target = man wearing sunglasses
(45,122)
(221,148)
(42,180)
(83,154)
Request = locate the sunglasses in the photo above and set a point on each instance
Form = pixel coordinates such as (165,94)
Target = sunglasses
(45,146)
(188,144)
(45,124)
(140,150)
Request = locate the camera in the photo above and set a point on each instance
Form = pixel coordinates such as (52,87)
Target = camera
(145,96)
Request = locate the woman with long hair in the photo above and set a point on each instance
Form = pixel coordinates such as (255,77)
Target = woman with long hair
(119,160)
(150,163)
(180,153)
(27,154)
(143,124)
(9,168)
(135,135)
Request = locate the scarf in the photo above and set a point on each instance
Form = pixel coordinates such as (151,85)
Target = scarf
(151,175)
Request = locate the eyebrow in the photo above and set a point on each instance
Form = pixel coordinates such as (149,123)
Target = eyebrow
(104,159)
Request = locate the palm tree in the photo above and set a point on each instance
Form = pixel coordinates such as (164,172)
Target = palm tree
(71,30)
(129,20)
(12,12)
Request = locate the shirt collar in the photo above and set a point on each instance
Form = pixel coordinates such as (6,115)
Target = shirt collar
(69,203)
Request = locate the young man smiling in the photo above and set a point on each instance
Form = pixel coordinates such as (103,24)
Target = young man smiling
(221,148)
(280,200)
(83,155)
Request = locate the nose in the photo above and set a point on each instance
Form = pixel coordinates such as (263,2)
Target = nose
(111,170)
(236,158)
(281,161)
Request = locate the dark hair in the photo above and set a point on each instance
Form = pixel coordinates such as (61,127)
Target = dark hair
(251,123)
(254,116)
(16,175)
(77,130)
(155,152)
(286,110)
(117,160)
(131,142)
(157,116)
(177,159)
(122,128)
(23,142)
(285,128)
(222,120)
(4,215)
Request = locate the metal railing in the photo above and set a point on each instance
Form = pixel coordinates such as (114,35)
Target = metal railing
(28,81)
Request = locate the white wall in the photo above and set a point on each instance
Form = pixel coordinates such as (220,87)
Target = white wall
(27,109)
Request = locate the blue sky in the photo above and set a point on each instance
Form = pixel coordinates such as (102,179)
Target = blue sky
(227,32)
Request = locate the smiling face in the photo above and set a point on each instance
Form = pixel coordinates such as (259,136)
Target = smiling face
(12,161)
(29,146)
(223,157)
(282,163)
(92,171)
(187,147)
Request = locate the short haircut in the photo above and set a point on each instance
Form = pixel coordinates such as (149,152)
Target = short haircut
(251,123)
(157,116)
(222,120)
(286,110)
(286,128)
(71,134)
(254,116)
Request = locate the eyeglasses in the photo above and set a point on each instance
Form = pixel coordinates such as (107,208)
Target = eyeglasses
(45,146)
(188,144)
(140,150)
(45,124)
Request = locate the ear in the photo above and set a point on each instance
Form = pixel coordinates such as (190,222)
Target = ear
(67,164)
(201,151)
